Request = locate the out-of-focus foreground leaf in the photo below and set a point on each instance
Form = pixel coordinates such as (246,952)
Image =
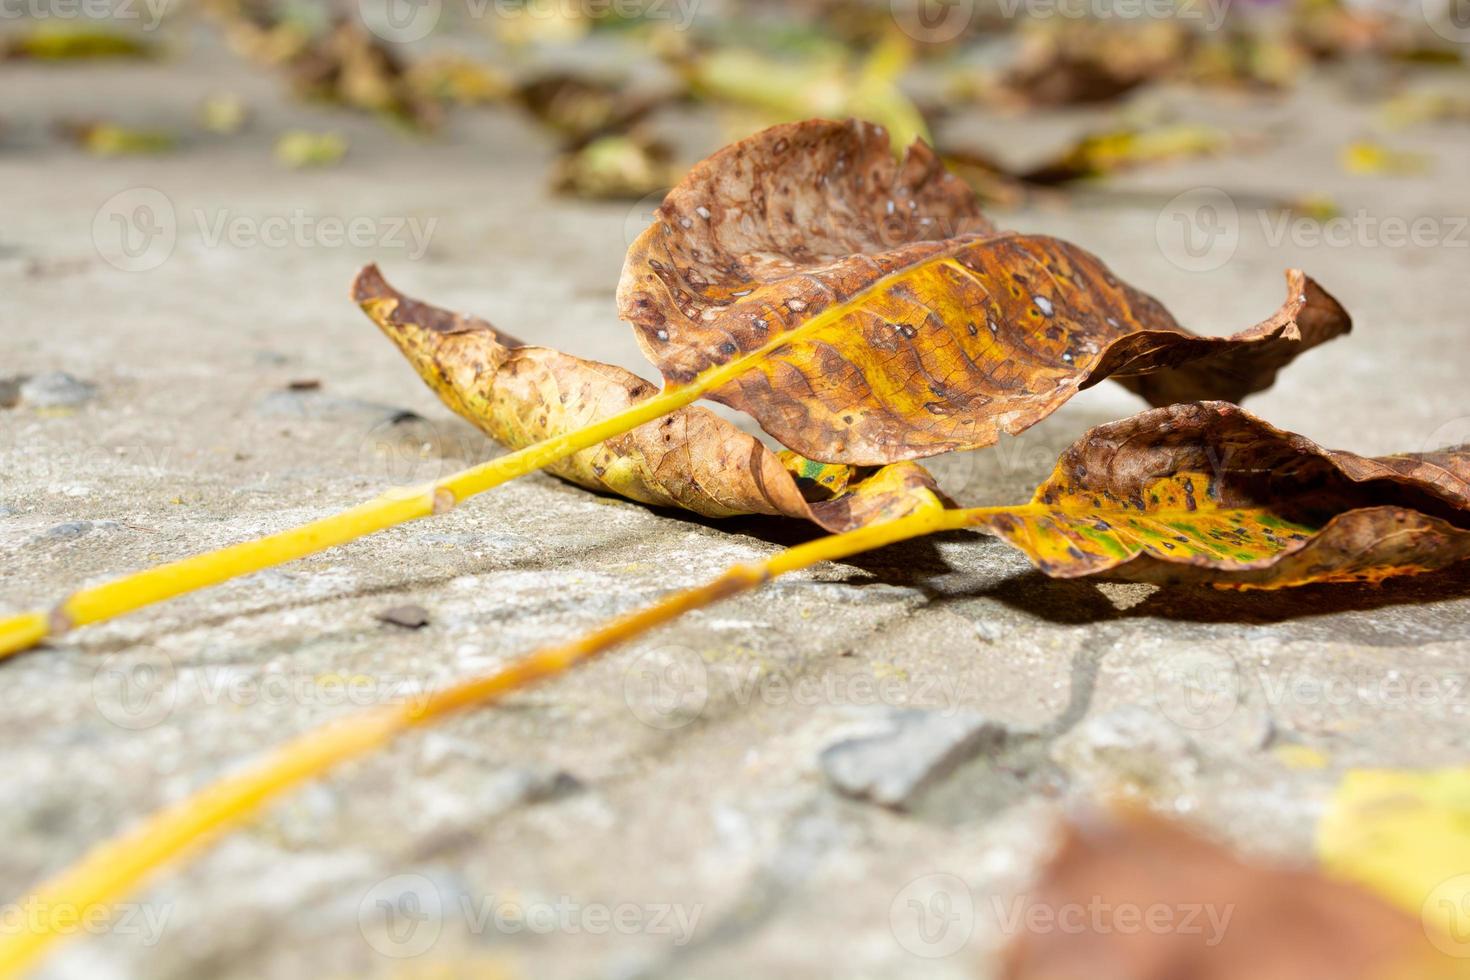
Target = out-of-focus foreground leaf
(895,322)
(1406,835)
(1157,902)
(1209,493)
(692,459)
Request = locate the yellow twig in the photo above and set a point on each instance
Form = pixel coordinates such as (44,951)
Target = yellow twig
(116,867)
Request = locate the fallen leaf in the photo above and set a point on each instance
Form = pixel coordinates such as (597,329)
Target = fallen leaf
(889,319)
(582,108)
(459,80)
(349,66)
(104,139)
(1366,158)
(1094,155)
(1421,106)
(340,62)
(1104,153)
(823,82)
(224,113)
(69,42)
(616,168)
(1209,493)
(300,148)
(1406,835)
(1139,898)
(1086,62)
(693,459)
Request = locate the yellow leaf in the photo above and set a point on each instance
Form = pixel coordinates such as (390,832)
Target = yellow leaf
(1406,835)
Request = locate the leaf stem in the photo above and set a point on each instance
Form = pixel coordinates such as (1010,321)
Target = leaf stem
(117,866)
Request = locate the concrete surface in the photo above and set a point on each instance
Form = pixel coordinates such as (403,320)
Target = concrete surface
(662,812)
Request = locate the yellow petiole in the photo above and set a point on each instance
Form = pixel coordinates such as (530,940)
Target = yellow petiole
(117,866)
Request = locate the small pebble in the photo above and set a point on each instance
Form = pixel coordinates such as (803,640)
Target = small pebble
(409,616)
(919,749)
(56,389)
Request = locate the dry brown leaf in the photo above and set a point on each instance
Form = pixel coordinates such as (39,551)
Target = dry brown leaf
(1157,902)
(582,108)
(1086,62)
(693,459)
(1210,493)
(890,320)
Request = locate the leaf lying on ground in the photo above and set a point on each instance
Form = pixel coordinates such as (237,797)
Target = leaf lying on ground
(582,108)
(889,319)
(344,63)
(1209,493)
(1094,155)
(300,148)
(1085,62)
(627,167)
(693,459)
(105,139)
(66,42)
(1190,493)
(825,81)
(1366,158)
(351,67)
(1140,898)
(1103,153)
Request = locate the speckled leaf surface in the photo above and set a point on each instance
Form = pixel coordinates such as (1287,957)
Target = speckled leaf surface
(892,321)
(1209,493)
(691,459)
